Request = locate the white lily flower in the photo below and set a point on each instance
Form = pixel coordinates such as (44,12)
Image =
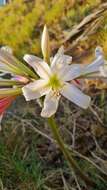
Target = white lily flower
(103,68)
(56,80)
(93,70)
(95,66)
(102,72)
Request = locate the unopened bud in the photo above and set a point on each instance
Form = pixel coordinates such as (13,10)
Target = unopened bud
(45,46)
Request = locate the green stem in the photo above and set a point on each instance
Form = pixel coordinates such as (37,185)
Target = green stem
(67,155)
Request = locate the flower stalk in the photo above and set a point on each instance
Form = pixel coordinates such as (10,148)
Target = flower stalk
(72,163)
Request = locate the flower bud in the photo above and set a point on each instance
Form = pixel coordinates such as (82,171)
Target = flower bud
(45,44)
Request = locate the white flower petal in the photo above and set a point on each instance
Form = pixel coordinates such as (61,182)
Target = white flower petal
(35,89)
(50,105)
(94,66)
(103,70)
(80,83)
(73,94)
(70,72)
(98,51)
(31,59)
(60,60)
(40,66)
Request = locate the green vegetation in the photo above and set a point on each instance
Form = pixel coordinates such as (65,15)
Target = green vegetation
(20,167)
(21,21)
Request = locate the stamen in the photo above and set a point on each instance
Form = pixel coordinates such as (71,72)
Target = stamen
(56,93)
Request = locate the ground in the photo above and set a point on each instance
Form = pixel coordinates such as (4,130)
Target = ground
(30,159)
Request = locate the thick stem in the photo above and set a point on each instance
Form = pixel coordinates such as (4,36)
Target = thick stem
(67,155)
